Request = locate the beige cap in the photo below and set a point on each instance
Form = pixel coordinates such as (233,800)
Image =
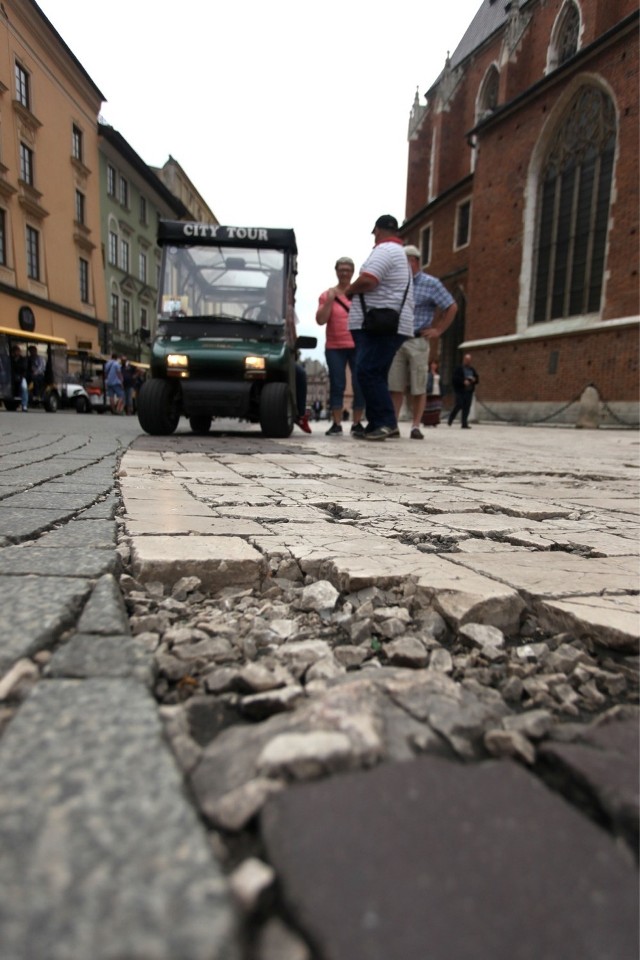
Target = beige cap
(412,251)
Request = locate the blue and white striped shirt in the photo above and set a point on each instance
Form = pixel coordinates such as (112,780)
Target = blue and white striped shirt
(388,263)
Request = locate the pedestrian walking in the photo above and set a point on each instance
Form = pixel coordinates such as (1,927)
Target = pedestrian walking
(434,311)
(465,379)
(433,406)
(380,320)
(340,350)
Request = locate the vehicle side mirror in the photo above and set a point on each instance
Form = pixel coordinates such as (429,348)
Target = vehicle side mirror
(306,343)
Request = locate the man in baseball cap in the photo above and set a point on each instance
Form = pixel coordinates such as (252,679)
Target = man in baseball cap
(385,222)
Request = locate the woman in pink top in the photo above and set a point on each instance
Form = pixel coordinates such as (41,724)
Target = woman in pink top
(340,351)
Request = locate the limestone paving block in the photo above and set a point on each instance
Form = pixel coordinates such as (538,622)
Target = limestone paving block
(430,858)
(552,574)
(217,561)
(35,611)
(613,622)
(103,855)
(185,524)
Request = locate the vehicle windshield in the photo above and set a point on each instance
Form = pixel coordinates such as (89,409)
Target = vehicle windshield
(230,283)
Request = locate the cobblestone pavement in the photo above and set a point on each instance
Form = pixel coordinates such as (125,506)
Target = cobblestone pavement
(399,679)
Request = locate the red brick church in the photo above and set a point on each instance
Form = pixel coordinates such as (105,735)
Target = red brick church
(522,195)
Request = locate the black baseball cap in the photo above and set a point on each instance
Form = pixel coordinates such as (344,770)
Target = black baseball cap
(386,222)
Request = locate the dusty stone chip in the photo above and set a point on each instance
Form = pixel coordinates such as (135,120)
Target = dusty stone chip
(321,595)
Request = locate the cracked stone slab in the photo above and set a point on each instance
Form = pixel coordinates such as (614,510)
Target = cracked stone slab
(217,561)
(150,509)
(107,859)
(73,561)
(553,574)
(613,622)
(35,611)
(598,542)
(536,875)
(605,764)
(23,524)
(180,524)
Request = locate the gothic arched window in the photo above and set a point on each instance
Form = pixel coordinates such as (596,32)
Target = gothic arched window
(488,95)
(565,36)
(573,209)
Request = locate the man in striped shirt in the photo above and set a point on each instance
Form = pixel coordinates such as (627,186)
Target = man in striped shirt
(385,280)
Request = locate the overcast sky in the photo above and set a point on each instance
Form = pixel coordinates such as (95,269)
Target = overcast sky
(282,114)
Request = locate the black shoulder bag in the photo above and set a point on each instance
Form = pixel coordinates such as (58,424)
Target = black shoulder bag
(382,321)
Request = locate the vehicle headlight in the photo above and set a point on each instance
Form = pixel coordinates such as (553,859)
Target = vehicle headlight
(177,365)
(255,367)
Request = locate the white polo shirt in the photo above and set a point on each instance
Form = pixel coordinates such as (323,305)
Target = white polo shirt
(388,263)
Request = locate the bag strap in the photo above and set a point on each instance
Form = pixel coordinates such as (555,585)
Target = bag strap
(344,305)
(406,291)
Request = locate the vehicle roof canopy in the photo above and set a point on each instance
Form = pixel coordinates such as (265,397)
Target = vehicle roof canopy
(31,337)
(192,233)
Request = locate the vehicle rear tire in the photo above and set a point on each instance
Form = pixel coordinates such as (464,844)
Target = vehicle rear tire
(158,412)
(276,410)
(200,425)
(51,403)
(82,405)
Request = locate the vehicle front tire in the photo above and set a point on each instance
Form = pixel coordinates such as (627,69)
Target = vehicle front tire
(276,410)
(200,425)
(158,412)
(82,405)
(51,403)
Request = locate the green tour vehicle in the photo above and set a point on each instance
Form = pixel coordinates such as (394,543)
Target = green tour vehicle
(225,344)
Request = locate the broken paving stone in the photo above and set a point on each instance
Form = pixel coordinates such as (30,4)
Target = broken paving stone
(509,743)
(249,881)
(406,652)
(321,595)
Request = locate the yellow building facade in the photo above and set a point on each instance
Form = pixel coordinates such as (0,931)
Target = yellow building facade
(51,269)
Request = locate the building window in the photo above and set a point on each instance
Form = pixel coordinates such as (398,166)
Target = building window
(126,316)
(76,143)
(84,280)
(113,248)
(115,311)
(425,246)
(3,238)
(33,254)
(124,192)
(574,194)
(463,224)
(26,164)
(488,95)
(566,34)
(124,255)
(80,204)
(111,181)
(143,210)
(142,267)
(144,318)
(23,87)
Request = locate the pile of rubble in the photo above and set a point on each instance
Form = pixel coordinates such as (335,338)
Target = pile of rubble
(263,687)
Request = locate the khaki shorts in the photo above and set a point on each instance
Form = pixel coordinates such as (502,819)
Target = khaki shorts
(410,367)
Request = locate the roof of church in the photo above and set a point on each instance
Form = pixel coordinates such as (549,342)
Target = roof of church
(489,18)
